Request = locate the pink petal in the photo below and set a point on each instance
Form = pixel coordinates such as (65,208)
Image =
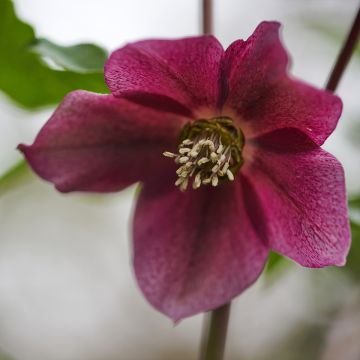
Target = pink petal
(255,65)
(292,103)
(302,190)
(195,251)
(266,99)
(100,143)
(179,74)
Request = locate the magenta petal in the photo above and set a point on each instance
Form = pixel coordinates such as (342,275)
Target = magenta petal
(255,65)
(195,251)
(292,103)
(185,71)
(302,192)
(266,99)
(100,143)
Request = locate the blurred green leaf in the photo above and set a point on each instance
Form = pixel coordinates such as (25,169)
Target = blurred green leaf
(23,74)
(275,266)
(5,356)
(274,261)
(354,203)
(353,259)
(326,28)
(15,176)
(81,58)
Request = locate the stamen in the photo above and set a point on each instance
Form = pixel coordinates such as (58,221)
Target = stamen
(225,167)
(213,156)
(169,154)
(214,180)
(197,181)
(179,181)
(182,151)
(183,160)
(209,154)
(230,175)
(184,184)
(202,161)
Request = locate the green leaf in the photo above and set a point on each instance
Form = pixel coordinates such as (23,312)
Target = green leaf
(354,203)
(81,58)
(326,28)
(274,261)
(275,267)
(15,176)
(353,259)
(24,76)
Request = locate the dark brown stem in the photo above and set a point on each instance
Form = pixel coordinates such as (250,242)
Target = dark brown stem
(207,18)
(214,337)
(345,54)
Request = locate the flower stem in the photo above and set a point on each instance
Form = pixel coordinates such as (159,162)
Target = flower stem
(344,55)
(215,330)
(214,336)
(207,23)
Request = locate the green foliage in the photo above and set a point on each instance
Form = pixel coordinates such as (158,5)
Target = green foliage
(25,77)
(81,58)
(275,267)
(354,203)
(15,176)
(274,261)
(353,260)
(327,29)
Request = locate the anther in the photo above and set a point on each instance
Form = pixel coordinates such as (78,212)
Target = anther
(225,167)
(202,161)
(222,159)
(213,156)
(183,160)
(169,154)
(179,181)
(210,144)
(214,180)
(197,181)
(183,151)
(230,175)
(184,184)
(220,149)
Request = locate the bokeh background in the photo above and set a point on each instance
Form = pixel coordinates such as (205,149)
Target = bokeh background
(67,291)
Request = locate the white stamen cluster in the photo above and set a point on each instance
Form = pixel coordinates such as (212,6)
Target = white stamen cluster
(204,160)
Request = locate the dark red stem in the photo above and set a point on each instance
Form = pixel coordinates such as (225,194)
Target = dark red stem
(215,328)
(344,55)
(214,337)
(207,18)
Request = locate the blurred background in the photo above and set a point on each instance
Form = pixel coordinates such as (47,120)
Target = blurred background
(67,291)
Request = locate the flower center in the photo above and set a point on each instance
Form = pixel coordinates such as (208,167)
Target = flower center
(209,152)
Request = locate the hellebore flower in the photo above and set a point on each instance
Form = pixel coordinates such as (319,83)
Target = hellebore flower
(241,141)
